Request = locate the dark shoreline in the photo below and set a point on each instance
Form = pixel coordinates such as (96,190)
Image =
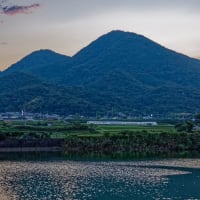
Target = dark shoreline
(31,145)
(56,156)
(30,149)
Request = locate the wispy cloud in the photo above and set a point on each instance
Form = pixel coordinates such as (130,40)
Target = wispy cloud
(15,9)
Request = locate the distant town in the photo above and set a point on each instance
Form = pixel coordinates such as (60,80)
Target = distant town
(28,116)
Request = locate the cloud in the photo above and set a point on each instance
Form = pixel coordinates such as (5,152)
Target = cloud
(15,9)
(3,43)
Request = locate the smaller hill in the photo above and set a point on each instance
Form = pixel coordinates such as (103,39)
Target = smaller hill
(39,63)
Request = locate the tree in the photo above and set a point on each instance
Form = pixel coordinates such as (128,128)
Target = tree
(187,126)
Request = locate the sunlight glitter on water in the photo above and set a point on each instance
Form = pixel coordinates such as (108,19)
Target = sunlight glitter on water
(90,180)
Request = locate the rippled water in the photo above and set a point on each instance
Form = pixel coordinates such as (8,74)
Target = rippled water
(73,180)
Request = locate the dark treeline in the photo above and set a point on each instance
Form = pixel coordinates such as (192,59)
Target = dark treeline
(134,143)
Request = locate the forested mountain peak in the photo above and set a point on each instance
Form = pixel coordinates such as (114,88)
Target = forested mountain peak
(37,59)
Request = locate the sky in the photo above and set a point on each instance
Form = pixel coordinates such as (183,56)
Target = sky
(66,26)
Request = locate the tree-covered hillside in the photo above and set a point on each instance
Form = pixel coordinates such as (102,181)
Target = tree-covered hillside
(21,91)
(120,71)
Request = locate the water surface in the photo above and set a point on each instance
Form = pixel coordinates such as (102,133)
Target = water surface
(85,180)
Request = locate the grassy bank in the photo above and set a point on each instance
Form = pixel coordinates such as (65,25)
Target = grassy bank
(62,129)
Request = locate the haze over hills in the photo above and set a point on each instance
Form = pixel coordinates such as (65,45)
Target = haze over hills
(122,71)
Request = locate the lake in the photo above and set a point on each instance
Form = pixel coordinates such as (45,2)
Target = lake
(96,180)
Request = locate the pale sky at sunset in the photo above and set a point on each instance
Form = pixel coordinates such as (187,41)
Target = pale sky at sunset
(66,26)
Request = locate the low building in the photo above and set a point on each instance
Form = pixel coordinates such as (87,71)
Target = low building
(123,123)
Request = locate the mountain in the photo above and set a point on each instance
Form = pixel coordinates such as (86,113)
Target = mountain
(40,63)
(122,52)
(144,60)
(125,72)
